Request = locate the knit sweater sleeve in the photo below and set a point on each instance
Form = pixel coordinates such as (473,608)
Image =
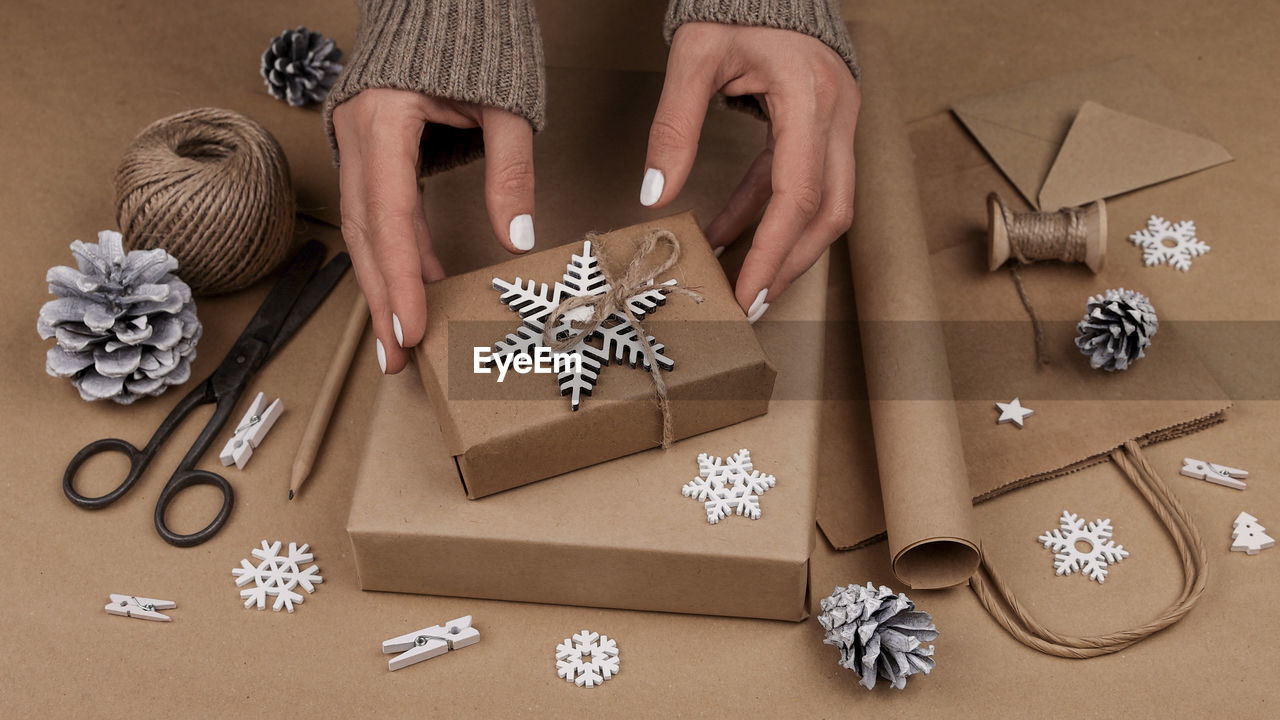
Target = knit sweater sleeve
(487,52)
(817,18)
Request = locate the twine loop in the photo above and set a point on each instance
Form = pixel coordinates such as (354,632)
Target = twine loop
(1000,603)
(638,277)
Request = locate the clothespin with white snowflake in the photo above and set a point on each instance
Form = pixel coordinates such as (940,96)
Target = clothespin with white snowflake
(251,431)
(1214,473)
(430,642)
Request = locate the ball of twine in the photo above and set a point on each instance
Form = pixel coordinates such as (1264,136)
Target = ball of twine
(212,188)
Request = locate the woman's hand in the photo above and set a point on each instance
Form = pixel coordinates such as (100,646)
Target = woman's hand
(379,133)
(805,173)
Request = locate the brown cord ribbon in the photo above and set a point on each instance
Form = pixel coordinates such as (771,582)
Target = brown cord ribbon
(1005,609)
(1036,236)
(637,278)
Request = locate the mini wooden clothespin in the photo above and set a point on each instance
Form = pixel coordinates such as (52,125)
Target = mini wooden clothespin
(1214,473)
(139,607)
(251,431)
(430,642)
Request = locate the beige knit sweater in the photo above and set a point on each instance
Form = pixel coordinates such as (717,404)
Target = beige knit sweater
(490,52)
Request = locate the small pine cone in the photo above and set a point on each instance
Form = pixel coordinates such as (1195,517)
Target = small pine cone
(878,632)
(300,66)
(1116,328)
(125,325)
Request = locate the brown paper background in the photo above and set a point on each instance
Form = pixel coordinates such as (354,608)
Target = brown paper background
(61,656)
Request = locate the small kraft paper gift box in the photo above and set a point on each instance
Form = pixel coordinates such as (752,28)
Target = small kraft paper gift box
(496,381)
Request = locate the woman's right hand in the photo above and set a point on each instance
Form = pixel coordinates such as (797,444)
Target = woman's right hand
(379,134)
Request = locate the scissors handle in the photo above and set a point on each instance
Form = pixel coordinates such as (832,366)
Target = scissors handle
(137,463)
(181,480)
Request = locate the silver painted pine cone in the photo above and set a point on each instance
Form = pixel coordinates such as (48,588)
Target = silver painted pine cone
(125,325)
(878,633)
(1118,325)
(300,66)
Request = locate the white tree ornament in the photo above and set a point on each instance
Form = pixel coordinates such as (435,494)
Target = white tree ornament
(587,659)
(1087,548)
(728,485)
(615,339)
(1164,243)
(1248,536)
(277,575)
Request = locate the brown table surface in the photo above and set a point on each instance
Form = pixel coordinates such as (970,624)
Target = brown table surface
(80,78)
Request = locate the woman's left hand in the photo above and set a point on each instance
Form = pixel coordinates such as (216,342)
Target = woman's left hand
(803,179)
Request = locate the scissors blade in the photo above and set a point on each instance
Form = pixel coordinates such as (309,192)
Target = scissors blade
(312,295)
(265,325)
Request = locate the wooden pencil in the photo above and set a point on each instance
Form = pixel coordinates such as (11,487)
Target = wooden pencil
(334,379)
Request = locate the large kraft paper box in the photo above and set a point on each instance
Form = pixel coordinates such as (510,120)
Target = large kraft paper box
(508,433)
(616,535)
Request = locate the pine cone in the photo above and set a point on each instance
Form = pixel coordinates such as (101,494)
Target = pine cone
(1117,327)
(125,325)
(300,66)
(878,632)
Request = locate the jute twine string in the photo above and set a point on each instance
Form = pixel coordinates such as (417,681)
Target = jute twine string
(638,276)
(1037,236)
(212,188)
(1000,603)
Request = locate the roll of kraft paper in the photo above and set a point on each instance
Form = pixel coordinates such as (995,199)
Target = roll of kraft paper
(927,507)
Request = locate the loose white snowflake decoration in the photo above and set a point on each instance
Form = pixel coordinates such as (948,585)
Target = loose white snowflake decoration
(614,339)
(587,659)
(728,485)
(1165,243)
(277,575)
(1099,551)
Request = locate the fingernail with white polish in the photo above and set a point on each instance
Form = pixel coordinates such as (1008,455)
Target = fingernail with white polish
(521,230)
(399,331)
(758,306)
(651,188)
(382,356)
(720,250)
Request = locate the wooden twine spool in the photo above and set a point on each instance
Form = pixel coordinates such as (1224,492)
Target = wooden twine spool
(1068,235)
(212,188)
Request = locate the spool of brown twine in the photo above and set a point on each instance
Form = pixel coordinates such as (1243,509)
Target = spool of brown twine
(212,188)
(1070,235)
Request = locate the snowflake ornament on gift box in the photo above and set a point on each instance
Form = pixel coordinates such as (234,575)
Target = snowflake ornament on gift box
(728,485)
(1168,243)
(1092,560)
(614,339)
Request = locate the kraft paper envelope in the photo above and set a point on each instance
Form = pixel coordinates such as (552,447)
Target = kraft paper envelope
(1089,134)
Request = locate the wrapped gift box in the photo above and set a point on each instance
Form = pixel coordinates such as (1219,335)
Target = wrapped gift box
(618,534)
(510,429)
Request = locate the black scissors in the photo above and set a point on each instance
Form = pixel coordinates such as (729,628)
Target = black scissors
(294,298)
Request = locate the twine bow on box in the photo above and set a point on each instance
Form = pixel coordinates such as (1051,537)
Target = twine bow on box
(638,276)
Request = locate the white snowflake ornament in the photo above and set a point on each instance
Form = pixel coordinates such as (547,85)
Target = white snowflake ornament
(1163,243)
(277,575)
(615,339)
(1091,561)
(587,659)
(728,485)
